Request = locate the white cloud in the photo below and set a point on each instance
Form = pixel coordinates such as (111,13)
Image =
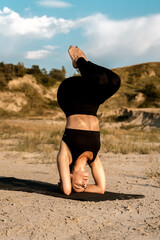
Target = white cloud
(12,24)
(50,47)
(6,10)
(130,37)
(39,54)
(54,4)
(99,36)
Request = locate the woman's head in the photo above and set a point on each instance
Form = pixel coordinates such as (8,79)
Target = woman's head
(79,180)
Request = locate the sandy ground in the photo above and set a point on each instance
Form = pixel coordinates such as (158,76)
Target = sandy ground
(27,214)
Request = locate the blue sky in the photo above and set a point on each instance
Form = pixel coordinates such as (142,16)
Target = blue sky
(113,33)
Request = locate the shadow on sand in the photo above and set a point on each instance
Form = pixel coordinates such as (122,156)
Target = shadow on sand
(15,184)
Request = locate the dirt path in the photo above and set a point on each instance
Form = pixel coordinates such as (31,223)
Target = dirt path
(35,216)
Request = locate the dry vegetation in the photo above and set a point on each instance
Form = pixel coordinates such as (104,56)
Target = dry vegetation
(130,141)
(31,136)
(39,136)
(140,88)
(31,128)
(42,134)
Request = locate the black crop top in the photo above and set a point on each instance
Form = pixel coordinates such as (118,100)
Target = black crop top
(84,94)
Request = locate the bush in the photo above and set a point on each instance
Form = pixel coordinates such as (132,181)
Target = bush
(10,71)
(36,104)
(41,76)
(151,91)
(3,82)
(57,74)
(151,94)
(20,70)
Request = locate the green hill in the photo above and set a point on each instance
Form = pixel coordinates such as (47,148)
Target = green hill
(140,87)
(32,91)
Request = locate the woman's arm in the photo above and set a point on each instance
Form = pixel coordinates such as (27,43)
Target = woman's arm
(99,177)
(63,167)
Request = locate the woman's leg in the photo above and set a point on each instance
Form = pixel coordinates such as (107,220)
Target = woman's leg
(102,80)
(106,80)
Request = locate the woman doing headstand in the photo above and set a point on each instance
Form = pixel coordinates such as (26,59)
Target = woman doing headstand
(80,97)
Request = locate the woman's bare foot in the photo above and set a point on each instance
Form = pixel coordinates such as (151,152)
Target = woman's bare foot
(76,53)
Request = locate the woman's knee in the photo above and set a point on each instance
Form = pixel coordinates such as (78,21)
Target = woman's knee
(117,82)
(102,79)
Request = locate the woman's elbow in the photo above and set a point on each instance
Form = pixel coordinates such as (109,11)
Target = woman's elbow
(102,189)
(67,191)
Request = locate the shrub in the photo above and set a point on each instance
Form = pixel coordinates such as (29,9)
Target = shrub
(36,103)
(3,82)
(151,94)
(57,74)
(20,70)
(41,76)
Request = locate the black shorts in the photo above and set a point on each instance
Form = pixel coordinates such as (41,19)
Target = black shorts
(80,141)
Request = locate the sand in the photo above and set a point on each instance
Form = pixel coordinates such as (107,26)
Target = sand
(27,213)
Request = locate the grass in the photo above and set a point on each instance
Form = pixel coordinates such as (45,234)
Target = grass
(153,173)
(130,140)
(5,114)
(41,137)
(30,136)
(144,78)
(39,142)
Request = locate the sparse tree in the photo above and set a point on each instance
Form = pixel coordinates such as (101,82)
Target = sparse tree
(57,74)
(20,69)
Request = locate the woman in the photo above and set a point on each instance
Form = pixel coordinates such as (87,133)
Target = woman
(80,97)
